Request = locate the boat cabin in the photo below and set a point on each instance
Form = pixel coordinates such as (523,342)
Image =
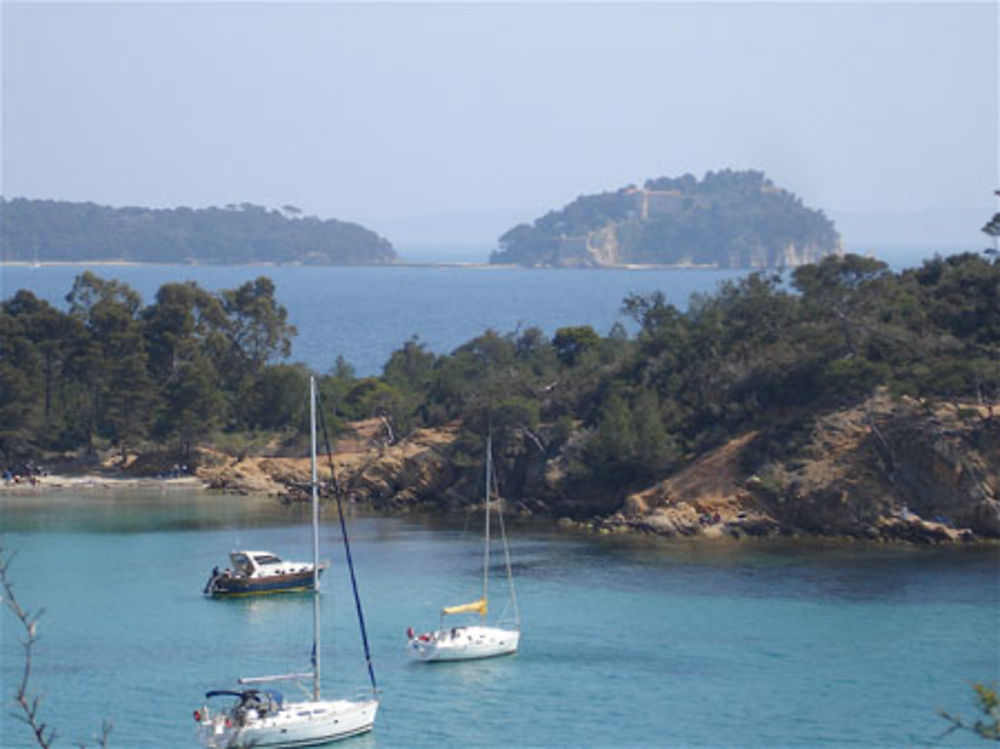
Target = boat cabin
(264,564)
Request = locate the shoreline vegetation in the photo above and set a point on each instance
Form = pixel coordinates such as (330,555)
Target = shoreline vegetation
(844,401)
(711,499)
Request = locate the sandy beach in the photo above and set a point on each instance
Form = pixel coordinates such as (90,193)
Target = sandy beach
(97,482)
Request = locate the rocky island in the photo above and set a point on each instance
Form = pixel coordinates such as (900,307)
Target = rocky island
(60,231)
(729,219)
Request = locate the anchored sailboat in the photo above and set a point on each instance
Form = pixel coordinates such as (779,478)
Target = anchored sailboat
(473,641)
(262,717)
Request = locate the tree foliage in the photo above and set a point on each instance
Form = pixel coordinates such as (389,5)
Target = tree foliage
(618,409)
(987,724)
(114,372)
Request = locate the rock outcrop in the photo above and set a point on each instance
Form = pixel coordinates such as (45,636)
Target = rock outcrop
(946,463)
(890,469)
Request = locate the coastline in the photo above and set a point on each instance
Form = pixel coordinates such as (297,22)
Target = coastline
(909,531)
(69,263)
(98,482)
(467,265)
(834,489)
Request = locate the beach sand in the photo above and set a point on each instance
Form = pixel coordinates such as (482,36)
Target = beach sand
(97,482)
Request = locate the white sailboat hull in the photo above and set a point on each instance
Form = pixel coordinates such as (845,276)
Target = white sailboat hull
(464,643)
(297,724)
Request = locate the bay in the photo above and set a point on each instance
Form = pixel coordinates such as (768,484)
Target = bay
(627,641)
(364,314)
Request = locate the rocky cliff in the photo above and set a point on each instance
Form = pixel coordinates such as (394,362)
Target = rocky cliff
(890,469)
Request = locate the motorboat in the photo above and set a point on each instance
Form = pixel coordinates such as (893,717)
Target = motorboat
(258,572)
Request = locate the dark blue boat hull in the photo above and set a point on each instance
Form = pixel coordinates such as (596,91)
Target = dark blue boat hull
(229,585)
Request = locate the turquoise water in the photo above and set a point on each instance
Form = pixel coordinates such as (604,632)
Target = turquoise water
(627,642)
(364,314)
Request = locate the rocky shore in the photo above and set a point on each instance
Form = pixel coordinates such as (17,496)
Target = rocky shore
(888,470)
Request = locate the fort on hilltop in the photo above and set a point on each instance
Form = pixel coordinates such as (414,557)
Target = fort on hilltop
(728,219)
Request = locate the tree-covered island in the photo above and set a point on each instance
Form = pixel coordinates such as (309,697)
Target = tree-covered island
(729,219)
(50,231)
(844,400)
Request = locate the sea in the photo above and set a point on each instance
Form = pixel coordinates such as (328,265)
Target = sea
(626,641)
(363,314)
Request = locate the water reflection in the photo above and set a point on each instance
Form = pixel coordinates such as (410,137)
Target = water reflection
(139,510)
(264,607)
(446,548)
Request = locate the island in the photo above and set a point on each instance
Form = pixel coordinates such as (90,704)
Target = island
(728,219)
(61,231)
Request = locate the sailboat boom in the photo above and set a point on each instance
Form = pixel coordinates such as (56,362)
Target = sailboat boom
(277,677)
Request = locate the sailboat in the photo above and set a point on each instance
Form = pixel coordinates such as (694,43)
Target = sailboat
(262,717)
(472,641)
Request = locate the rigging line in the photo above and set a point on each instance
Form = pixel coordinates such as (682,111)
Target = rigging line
(347,551)
(506,554)
(488,482)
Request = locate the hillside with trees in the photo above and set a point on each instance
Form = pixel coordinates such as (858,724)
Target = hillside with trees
(729,219)
(843,393)
(48,230)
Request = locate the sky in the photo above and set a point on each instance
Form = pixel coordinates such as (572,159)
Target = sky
(443,125)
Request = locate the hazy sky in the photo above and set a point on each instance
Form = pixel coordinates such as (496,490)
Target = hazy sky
(453,121)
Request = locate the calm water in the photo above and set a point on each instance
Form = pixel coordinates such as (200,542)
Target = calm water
(364,314)
(626,643)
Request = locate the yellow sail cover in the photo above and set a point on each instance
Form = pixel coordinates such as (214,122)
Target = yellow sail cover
(467,608)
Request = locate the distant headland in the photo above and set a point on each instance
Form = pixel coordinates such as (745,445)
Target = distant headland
(58,231)
(729,219)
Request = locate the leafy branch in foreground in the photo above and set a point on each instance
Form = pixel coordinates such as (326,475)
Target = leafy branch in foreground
(988,702)
(30,704)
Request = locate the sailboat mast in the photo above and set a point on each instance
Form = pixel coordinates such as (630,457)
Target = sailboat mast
(489,481)
(315,532)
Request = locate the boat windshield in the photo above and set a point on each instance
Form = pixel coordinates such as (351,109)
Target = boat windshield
(242,563)
(268,699)
(267,559)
